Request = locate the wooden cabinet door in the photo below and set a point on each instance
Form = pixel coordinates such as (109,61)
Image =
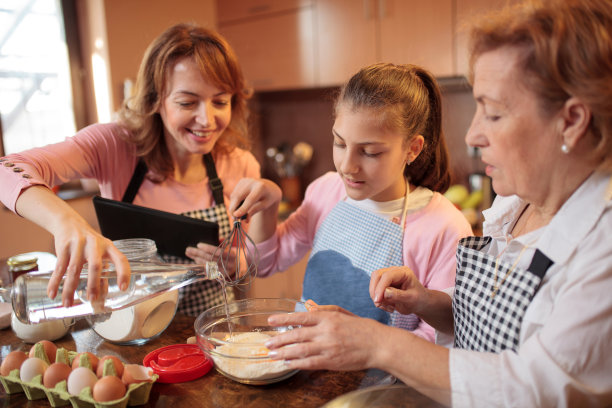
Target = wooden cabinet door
(346,38)
(466,10)
(417,32)
(276,51)
(231,10)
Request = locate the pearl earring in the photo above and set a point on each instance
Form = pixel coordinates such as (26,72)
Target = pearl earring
(565,148)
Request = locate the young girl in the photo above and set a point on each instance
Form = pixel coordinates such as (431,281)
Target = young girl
(382,207)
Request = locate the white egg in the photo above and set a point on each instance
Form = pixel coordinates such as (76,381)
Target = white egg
(32,367)
(80,378)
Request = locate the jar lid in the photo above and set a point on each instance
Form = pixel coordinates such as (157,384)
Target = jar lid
(178,363)
(22,260)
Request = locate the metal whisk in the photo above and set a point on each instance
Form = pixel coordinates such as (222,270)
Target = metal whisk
(246,256)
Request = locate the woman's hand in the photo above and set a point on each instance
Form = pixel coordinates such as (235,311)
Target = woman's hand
(397,288)
(231,265)
(76,243)
(327,340)
(312,306)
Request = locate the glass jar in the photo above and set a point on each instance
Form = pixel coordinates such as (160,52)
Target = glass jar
(145,321)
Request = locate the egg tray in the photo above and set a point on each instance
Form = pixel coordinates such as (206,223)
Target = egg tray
(58,396)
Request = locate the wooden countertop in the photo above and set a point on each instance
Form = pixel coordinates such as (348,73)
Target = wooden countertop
(305,389)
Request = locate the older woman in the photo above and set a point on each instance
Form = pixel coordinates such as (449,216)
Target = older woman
(531,311)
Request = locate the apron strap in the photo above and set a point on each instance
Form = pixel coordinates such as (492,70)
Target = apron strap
(213,179)
(539,264)
(137,178)
(141,171)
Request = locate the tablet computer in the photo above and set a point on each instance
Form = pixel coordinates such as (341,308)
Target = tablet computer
(172,233)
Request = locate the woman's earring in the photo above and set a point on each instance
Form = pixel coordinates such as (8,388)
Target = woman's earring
(565,148)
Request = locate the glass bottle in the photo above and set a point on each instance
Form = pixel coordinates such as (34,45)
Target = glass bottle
(148,279)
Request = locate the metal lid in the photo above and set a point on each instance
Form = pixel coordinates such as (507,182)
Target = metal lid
(22,261)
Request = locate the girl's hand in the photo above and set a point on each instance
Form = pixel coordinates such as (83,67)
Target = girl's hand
(326,340)
(253,195)
(397,288)
(76,243)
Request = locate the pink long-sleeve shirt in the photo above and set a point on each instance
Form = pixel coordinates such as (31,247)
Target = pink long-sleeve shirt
(99,152)
(430,239)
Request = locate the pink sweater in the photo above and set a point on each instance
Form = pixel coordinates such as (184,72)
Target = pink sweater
(429,246)
(99,152)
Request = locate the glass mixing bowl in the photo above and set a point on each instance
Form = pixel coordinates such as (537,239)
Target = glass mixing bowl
(241,354)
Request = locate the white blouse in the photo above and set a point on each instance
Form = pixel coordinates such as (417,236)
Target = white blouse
(565,353)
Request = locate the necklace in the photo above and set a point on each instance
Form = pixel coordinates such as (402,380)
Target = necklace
(497,286)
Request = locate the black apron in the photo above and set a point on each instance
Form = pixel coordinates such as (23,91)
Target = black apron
(199,296)
(487,316)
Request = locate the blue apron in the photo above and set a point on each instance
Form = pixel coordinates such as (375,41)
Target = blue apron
(350,244)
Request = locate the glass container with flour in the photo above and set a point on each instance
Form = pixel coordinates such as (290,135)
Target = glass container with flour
(150,278)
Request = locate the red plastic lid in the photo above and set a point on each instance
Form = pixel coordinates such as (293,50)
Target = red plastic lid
(178,363)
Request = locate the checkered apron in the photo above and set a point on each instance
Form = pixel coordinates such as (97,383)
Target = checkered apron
(491,323)
(199,296)
(350,244)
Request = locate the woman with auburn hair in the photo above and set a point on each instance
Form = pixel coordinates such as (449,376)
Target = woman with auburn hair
(183,131)
(529,321)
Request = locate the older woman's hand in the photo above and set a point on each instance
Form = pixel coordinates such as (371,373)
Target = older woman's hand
(312,306)
(326,340)
(397,288)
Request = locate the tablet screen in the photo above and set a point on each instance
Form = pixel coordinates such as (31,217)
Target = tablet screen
(172,233)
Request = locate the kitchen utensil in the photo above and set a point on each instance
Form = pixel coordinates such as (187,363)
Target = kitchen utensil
(239,246)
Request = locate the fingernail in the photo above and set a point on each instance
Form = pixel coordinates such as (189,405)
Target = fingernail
(123,286)
(273,354)
(92,297)
(66,303)
(52,294)
(388,293)
(376,299)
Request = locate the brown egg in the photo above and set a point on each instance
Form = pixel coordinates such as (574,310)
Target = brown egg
(93,361)
(50,350)
(135,373)
(55,373)
(108,388)
(116,362)
(12,361)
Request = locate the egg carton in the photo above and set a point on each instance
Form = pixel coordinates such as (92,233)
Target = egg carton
(58,396)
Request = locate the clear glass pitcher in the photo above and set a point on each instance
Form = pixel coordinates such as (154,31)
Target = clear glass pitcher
(150,278)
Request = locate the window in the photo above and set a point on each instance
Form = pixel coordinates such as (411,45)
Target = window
(36,106)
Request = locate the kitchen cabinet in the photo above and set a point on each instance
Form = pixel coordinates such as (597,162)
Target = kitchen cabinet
(233,10)
(353,34)
(274,41)
(466,9)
